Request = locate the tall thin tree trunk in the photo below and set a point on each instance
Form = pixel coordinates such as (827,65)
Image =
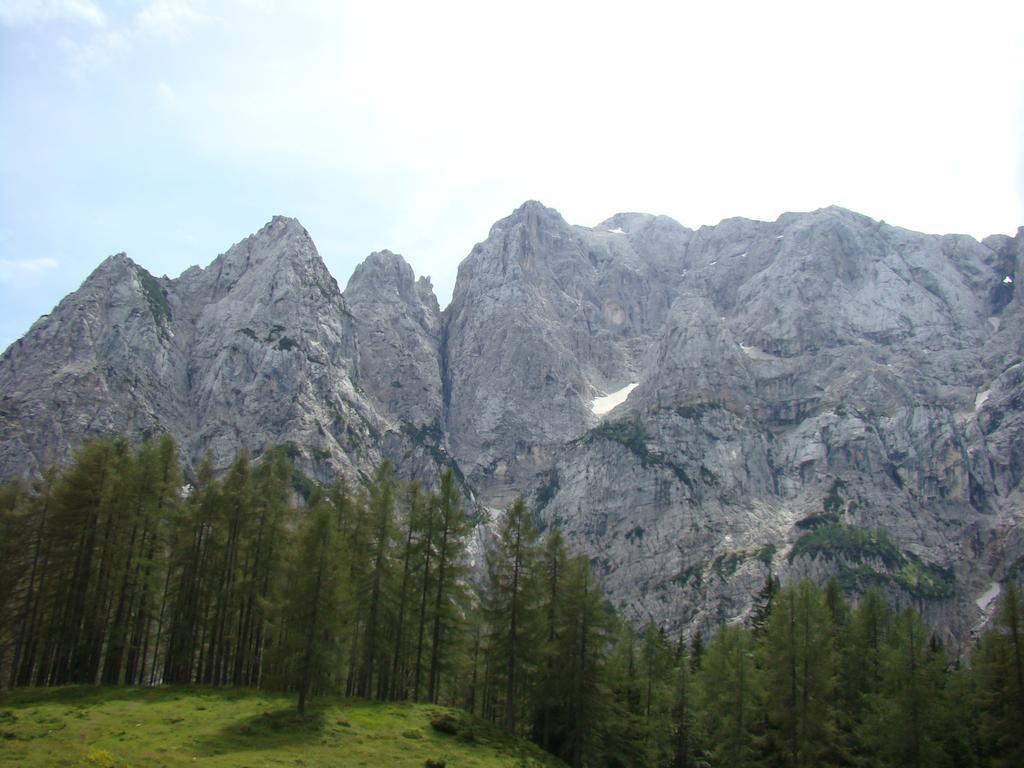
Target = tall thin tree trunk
(510,682)
(398,662)
(435,646)
(423,608)
(307,662)
(29,607)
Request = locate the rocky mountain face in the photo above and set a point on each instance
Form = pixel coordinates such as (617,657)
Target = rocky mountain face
(260,348)
(822,395)
(544,318)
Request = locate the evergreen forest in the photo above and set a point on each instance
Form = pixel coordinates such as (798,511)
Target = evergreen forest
(115,571)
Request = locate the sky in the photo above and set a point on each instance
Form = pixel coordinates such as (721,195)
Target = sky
(171,129)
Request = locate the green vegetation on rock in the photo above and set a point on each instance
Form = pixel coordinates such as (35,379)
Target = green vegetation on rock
(633,436)
(857,548)
(155,296)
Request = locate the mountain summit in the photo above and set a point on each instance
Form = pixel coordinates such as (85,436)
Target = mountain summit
(821,395)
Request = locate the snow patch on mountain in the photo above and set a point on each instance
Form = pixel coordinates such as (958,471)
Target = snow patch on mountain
(988,596)
(602,405)
(979,401)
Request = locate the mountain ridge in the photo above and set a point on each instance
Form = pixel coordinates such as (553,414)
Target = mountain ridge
(824,367)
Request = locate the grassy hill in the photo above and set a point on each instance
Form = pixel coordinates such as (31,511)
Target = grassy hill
(108,727)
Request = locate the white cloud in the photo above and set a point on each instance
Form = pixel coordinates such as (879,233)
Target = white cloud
(165,95)
(20,270)
(168,19)
(17,13)
(106,40)
(97,51)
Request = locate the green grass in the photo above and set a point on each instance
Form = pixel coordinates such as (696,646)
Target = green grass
(115,727)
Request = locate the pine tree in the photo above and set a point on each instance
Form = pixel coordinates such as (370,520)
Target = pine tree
(414,503)
(727,688)
(381,509)
(584,645)
(261,562)
(799,658)
(453,528)
(763,604)
(999,693)
(905,717)
(550,689)
(625,740)
(191,579)
(154,479)
(15,538)
(512,606)
(861,662)
(683,716)
(80,528)
(25,569)
(656,675)
(696,650)
(425,577)
(311,649)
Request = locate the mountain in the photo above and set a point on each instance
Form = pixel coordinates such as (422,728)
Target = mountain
(258,348)
(820,395)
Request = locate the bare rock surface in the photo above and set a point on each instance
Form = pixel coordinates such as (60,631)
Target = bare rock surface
(821,395)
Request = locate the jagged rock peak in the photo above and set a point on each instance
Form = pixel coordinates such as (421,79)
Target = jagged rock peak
(533,215)
(535,208)
(115,263)
(398,329)
(279,222)
(280,237)
(830,213)
(384,275)
(280,253)
(384,265)
(628,222)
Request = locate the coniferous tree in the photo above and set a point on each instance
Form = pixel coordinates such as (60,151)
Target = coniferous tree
(358,556)
(763,604)
(15,538)
(312,608)
(800,665)
(261,563)
(80,527)
(904,719)
(999,693)
(414,503)
(151,561)
(696,650)
(111,573)
(425,577)
(585,641)
(656,659)
(727,691)
(512,607)
(860,671)
(683,715)
(453,528)
(190,579)
(24,569)
(626,742)
(236,519)
(381,510)
(154,481)
(552,683)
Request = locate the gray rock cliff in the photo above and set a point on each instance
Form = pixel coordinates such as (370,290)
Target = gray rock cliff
(821,395)
(398,331)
